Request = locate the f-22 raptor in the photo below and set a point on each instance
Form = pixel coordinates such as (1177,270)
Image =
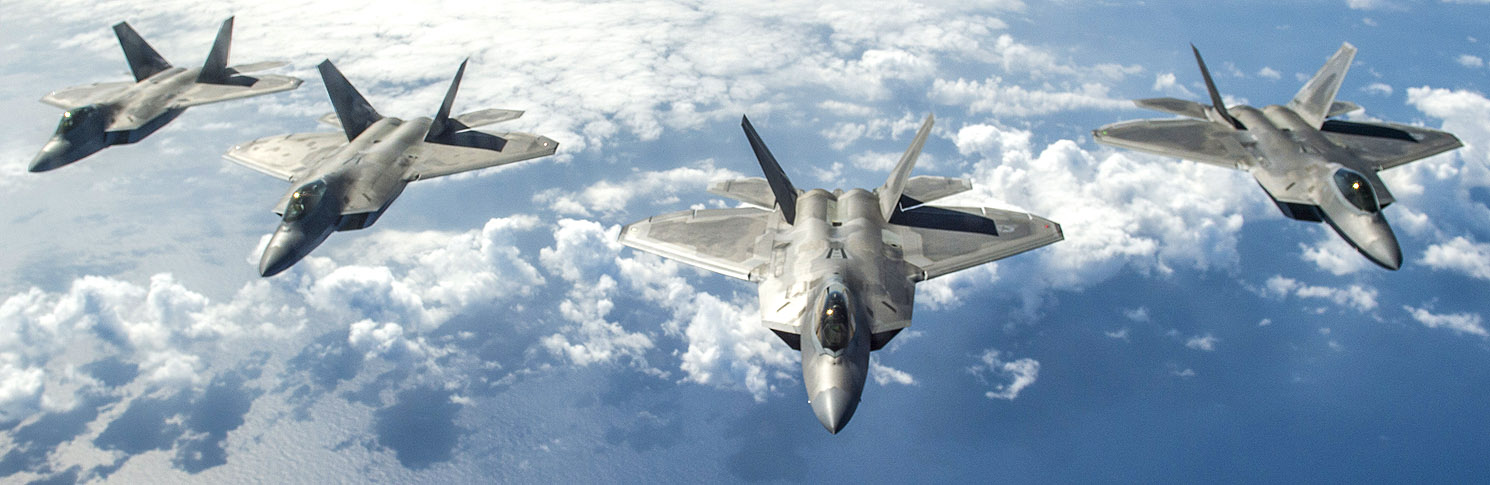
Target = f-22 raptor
(1313,167)
(345,181)
(836,271)
(103,114)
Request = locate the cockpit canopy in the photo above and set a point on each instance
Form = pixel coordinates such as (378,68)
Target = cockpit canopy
(834,328)
(304,200)
(1356,190)
(71,118)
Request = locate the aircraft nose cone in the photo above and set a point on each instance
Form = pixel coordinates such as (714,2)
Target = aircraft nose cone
(833,408)
(1386,253)
(50,156)
(280,254)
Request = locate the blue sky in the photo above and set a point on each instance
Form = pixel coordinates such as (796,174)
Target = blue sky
(489,327)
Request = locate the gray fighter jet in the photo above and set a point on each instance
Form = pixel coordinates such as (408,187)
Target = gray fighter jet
(837,270)
(1313,167)
(344,181)
(103,114)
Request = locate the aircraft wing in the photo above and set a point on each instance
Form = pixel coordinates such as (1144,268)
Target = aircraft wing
(1385,145)
(731,242)
(286,156)
(236,87)
(947,242)
(69,98)
(1196,140)
(438,159)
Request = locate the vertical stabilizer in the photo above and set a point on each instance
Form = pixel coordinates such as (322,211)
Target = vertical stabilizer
(351,108)
(786,194)
(442,125)
(890,192)
(1314,100)
(216,69)
(143,60)
(1216,101)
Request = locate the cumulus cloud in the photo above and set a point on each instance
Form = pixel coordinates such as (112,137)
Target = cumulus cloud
(1460,255)
(1379,89)
(994,97)
(1007,377)
(885,375)
(1470,61)
(1357,297)
(1165,82)
(580,254)
(1206,342)
(1269,73)
(1333,254)
(657,188)
(1461,323)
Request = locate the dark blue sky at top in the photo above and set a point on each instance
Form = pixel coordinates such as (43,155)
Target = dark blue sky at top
(1322,392)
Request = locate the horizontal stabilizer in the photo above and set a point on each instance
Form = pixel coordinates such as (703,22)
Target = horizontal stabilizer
(480,118)
(1188,109)
(781,186)
(256,67)
(927,188)
(932,217)
(1316,99)
(143,60)
(215,70)
(1341,107)
(353,111)
(754,191)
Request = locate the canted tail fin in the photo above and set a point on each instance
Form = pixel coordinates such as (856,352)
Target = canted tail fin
(890,192)
(215,70)
(786,194)
(1316,100)
(442,123)
(1210,85)
(143,60)
(352,110)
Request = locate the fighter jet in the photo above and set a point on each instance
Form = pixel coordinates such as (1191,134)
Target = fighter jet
(115,113)
(836,271)
(1313,167)
(344,181)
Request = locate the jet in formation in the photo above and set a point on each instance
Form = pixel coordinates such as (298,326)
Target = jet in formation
(115,113)
(836,271)
(1313,167)
(344,181)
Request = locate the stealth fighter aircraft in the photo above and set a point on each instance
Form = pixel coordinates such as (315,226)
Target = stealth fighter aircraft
(837,270)
(115,113)
(344,181)
(1313,167)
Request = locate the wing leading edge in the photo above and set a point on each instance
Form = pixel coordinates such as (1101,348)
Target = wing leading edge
(731,242)
(1196,140)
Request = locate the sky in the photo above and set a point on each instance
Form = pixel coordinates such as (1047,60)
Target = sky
(489,328)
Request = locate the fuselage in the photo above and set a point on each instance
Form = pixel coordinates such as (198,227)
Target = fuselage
(348,189)
(833,274)
(142,109)
(1308,176)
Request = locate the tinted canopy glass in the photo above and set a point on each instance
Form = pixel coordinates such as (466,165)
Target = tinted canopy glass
(72,117)
(304,200)
(1356,189)
(834,328)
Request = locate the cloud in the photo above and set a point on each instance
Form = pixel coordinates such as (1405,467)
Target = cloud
(1206,343)
(1379,89)
(1461,323)
(1333,254)
(1359,298)
(992,96)
(1470,61)
(1269,73)
(581,255)
(1460,255)
(1165,82)
(885,375)
(657,188)
(1019,373)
